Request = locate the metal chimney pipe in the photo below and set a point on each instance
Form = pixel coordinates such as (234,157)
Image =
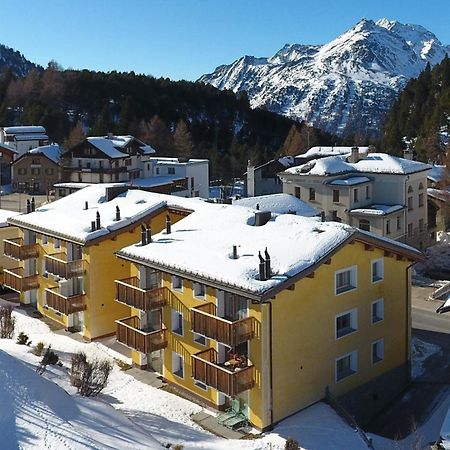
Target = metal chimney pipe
(93,225)
(117,213)
(86,205)
(257,206)
(267,270)
(97,220)
(33,204)
(235,255)
(28,206)
(148,234)
(262,268)
(168,224)
(143,235)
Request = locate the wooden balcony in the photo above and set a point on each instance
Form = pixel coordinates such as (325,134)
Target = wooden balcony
(15,248)
(65,304)
(58,265)
(231,333)
(15,280)
(206,370)
(128,332)
(129,293)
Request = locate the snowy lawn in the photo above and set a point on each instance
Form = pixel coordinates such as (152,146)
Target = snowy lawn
(420,351)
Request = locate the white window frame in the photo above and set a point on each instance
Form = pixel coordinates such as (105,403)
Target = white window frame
(177,288)
(380,276)
(381,318)
(198,339)
(179,359)
(353,322)
(195,290)
(201,385)
(57,243)
(353,279)
(175,315)
(353,362)
(376,343)
(44,239)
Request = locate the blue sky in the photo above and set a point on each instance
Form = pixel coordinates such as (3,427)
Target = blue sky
(182,39)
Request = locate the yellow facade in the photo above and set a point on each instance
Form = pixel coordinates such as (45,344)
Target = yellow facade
(9,232)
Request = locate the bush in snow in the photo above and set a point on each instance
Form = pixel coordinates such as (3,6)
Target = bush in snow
(50,357)
(291,444)
(7,322)
(38,349)
(22,339)
(89,377)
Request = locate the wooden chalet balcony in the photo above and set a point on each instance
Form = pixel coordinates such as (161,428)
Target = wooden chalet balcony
(128,332)
(231,333)
(57,264)
(14,279)
(230,382)
(129,292)
(65,304)
(15,248)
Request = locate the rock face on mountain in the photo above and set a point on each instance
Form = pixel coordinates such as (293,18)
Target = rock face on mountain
(14,60)
(343,87)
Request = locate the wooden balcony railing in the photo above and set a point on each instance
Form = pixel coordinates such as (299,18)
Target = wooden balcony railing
(128,332)
(14,279)
(231,333)
(15,248)
(65,304)
(57,264)
(206,370)
(129,292)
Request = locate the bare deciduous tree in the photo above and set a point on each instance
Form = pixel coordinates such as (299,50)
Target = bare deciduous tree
(7,322)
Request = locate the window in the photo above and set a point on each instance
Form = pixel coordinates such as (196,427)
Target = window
(377,351)
(200,339)
(421,225)
(410,203)
(48,171)
(57,243)
(367,193)
(88,164)
(35,171)
(364,224)
(420,186)
(177,322)
(345,280)
(128,162)
(192,183)
(346,323)
(377,310)
(171,170)
(312,194)
(399,224)
(410,230)
(157,169)
(388,226)
(22,171)
(346,365)
(355,195)
(201,385)
(199,290)
(335,195)
(35,161)
(80,163)
(177,365)
(377,270)
(44,239)
(421,199)
(177,283)
(410,189)
(297,191)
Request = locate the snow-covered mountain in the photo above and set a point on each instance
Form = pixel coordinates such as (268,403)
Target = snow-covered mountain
(344,86)
(14,60)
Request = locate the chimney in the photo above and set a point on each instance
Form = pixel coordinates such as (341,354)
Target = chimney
(322,216)
(262,268)
(28,206)
(262,217)
(257,206)
(97,221)
(117,213)
(93,225)
(86,205)
(371,149)
(267,273)
(148,234)
(354,157)
(234,255)
(168,224)
(33,204)
(408,154)
(143,235)
(110,135)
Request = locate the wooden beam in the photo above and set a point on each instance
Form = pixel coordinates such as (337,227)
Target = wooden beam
(368,247)
(328,261)
(311,275)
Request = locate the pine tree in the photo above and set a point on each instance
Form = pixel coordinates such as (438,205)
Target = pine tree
(157,135)
(183,140)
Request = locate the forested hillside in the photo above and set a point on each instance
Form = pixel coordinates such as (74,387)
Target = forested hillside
(421,114)
(175,117)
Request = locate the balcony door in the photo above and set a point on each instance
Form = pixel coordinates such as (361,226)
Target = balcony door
(149,278)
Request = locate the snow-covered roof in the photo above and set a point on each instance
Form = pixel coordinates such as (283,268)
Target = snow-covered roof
(70,185)
(176,161)
(330,151)
(437,173)
(154,181)
(52,152)
(351,181)
(107,146)
(278,204)
(68,219)
(377,210)
(439,194)
(5,214)
(31,137)
(25,129)
(372,163)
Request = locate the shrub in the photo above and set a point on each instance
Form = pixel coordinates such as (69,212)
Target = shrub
(291,444)
(7,322)
(50,357)
(38,349)
(89,377)
(22,339)
(122,364)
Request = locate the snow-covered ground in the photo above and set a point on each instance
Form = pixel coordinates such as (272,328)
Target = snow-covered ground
(46,412)
(421,350)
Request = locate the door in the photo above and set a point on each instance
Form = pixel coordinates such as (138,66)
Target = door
(155,361)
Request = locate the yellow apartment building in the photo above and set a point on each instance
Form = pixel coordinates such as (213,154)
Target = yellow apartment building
(272,310)
(6,232)
(62,261)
